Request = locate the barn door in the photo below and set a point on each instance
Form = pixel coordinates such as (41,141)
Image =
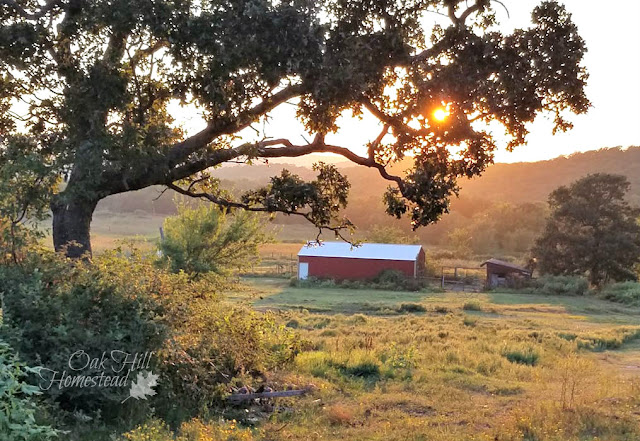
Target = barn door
(303,270)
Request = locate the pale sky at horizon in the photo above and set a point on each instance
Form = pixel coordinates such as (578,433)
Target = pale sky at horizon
(612,35)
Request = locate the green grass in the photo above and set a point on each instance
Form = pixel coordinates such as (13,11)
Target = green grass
(397,366)
(457,366)
(276,294)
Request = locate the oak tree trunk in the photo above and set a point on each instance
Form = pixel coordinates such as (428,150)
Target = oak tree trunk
(72,224)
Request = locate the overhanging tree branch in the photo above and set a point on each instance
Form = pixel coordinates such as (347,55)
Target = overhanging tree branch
(266,149)
(229,204)
(225,126)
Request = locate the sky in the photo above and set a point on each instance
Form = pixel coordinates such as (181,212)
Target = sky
(612,35)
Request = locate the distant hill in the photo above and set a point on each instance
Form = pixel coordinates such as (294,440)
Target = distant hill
(514,183)
(533,181)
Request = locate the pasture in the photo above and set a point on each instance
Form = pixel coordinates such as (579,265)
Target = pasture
(453,366)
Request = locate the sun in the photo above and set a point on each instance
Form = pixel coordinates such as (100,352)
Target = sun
(440,114)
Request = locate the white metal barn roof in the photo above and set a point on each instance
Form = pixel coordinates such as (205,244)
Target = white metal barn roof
(382,251)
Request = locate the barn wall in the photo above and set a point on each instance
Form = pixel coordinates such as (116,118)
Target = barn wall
(344,268)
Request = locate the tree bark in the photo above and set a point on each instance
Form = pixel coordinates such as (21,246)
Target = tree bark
(72,224)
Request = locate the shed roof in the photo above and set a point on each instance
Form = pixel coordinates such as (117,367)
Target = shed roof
(506,265)
(379,251)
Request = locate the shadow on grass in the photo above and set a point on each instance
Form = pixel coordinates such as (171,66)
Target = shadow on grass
(594,309)
(334,300)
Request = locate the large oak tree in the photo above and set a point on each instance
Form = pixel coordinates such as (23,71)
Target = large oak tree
(85,87)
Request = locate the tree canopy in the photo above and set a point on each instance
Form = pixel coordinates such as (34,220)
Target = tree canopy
(592,230)
(86,87)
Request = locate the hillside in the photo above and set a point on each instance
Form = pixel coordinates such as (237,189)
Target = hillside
(515,183)
(533,181)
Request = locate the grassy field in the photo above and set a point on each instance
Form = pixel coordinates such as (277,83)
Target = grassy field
(108,229)
(484,366)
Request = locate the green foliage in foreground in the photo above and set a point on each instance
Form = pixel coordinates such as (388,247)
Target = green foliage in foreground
(205,239)
(54,307)
(18,410)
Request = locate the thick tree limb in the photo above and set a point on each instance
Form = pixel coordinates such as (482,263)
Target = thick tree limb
(223,126)
(266,149)
(392,121)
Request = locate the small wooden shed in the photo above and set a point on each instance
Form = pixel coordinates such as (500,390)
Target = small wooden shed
(341,260)
(498,271)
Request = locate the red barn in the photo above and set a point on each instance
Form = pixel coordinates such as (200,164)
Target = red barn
(340,260)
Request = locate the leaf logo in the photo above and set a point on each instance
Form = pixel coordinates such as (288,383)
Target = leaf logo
(143,386)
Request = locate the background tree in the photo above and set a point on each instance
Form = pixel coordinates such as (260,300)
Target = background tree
(592,230)
(205,239)
(390,234)
(95,80)
(25,181)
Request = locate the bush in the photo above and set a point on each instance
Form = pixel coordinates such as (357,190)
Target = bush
(390,276)
(391,280)
(472,305)
(204,239)
(527,356)
(563,285)
(18,411)
(558,286)
(396,280)
(212,349)
(623,292)
(411,308)
(54,307)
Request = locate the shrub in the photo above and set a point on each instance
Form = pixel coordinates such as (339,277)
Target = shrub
(561,285)
(623,292)
(390,276)
(469,321)
(205,239)
(397,280)
(526,356)
(18,410)
(54,307)
(472,305)
(216,344)
(391,280)
(411,307)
